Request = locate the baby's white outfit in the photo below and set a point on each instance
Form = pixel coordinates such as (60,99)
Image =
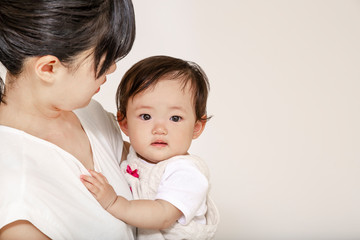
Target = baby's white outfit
(182,181)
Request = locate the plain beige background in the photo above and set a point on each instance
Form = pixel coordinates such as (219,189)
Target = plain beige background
(283,143)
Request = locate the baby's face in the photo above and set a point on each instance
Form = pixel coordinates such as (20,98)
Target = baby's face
(161,121)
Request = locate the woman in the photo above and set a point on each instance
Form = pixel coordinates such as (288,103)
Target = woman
(58,53)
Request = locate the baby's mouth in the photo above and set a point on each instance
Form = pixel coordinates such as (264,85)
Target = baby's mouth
(159,143)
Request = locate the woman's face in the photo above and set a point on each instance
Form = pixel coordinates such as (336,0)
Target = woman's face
(76,87)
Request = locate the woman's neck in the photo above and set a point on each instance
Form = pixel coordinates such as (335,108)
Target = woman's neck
(22,97)
(24,110)
(35,120)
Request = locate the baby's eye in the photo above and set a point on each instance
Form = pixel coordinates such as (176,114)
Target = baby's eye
(145,117)
(175,118)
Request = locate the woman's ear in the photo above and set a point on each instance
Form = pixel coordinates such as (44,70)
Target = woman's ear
(122,123)
(46,67)
(199,127)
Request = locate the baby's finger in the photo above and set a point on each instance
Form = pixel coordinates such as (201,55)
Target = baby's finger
(105,179)
(89,179)
(98,176)
(92,188)
(94,181)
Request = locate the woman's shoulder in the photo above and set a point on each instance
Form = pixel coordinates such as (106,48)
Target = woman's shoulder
(95,116)
(13,143)
(101,127)
(93,111)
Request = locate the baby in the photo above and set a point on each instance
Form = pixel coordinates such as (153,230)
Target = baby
(161,108)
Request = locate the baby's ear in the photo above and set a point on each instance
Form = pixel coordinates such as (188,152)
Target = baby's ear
(119,116)
(199,127)
(122,123)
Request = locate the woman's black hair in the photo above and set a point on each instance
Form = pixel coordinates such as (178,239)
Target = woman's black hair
(64,28)
(149,71)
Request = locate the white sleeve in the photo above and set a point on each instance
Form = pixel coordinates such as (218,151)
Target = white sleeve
(104,126)
(116,138)
(184,186)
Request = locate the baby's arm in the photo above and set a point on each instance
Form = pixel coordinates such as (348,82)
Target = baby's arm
(151,214)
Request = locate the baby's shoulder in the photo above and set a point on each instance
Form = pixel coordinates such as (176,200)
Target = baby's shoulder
(191,161)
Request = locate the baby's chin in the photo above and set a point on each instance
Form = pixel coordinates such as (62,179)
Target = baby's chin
(152,159)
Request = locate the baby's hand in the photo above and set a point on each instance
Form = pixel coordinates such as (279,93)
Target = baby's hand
(100,188)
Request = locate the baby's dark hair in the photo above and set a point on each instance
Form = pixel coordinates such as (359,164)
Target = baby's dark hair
(65,28)
(149,71)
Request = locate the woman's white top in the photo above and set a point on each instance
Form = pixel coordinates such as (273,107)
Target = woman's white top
(40,182)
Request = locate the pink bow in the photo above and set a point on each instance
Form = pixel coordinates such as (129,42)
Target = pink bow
(131,172)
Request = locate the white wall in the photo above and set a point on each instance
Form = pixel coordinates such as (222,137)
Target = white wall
(283,145)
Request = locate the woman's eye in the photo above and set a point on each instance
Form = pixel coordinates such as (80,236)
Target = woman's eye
(145,117)
(175,118)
